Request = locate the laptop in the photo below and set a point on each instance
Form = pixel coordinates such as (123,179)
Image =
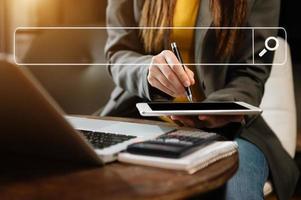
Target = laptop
(32,124)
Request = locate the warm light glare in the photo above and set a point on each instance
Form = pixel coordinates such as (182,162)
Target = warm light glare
(30,1)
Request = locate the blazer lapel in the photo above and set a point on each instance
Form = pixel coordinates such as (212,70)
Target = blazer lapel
(204,20)
(138,5)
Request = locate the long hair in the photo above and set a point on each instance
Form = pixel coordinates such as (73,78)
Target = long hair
(159,13)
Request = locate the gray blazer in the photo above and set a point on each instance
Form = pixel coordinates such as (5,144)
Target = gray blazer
(220,83)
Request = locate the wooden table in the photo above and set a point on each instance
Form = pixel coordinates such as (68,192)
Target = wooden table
(32,179)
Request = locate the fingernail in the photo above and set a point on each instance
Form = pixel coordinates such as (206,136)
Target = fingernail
(186,83)
(202,118)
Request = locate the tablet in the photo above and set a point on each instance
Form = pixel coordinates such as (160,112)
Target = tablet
(208,108)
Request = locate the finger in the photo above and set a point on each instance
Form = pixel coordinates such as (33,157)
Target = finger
(172,77)
(224,119)
(203,117)
(157,84)
(218,121)
(212,121)
(177,67)
(163,80)
(185,120)
(237,118)
(169,74)
(190,74)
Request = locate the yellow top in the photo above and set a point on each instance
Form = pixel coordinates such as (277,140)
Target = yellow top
(186,12)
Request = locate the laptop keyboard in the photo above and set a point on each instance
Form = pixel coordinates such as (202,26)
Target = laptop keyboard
(101,140)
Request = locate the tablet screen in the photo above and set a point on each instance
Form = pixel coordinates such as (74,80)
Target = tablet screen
(195,106)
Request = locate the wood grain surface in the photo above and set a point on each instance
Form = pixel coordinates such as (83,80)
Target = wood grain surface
(36,179)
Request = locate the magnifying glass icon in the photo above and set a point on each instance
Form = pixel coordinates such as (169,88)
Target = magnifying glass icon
(268,47)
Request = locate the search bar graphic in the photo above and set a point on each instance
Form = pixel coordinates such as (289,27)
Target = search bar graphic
(80,46)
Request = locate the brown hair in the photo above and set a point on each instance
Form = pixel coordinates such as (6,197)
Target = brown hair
(159,13)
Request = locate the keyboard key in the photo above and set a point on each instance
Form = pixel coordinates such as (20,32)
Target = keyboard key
(101,140)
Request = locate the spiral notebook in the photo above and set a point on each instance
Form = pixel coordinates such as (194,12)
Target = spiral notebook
(191,163)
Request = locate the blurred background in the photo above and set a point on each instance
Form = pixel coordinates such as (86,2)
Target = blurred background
(78,89)
(15,13)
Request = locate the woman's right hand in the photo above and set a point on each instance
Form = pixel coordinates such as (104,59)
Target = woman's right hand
(167,74)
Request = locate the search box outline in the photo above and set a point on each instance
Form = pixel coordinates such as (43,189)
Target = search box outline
(146,64)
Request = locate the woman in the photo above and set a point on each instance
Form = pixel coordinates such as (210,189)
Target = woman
(144,70)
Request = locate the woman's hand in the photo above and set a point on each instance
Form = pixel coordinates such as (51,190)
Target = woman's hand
(208,121)
(167,74)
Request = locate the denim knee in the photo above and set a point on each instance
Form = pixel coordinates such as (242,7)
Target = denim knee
(252,173)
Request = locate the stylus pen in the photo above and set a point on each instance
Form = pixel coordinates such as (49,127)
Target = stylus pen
(178,55)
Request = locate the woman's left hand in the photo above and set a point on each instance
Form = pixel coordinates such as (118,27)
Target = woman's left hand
(208,121)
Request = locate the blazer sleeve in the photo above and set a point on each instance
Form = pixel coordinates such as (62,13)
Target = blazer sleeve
(127,63)
(246,83)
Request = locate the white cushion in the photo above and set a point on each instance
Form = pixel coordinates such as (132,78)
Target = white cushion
(267,189)
(278,104)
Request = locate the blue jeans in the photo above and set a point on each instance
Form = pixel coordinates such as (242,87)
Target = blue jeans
(253,172)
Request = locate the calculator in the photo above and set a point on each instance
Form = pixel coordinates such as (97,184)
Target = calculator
(175,144)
